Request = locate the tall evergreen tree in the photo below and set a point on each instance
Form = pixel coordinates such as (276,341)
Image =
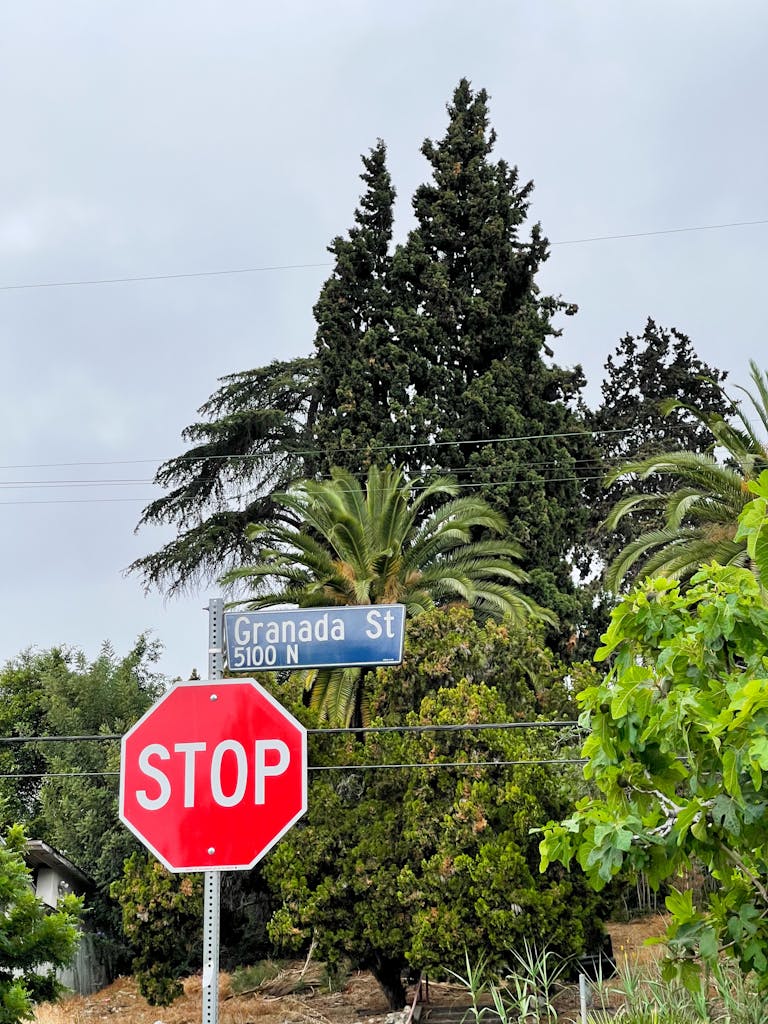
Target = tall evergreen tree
(424,357)
(645,375)
(363,376)
(500,415)
(251,441)
(266,428)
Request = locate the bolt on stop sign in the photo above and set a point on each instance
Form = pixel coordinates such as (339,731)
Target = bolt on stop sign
(213,775)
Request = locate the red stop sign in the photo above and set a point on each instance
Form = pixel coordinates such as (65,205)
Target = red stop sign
(213,775)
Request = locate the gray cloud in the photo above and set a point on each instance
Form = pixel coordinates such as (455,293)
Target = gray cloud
(152,138)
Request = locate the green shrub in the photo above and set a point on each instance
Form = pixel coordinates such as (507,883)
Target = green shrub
(162,919)
(33,942)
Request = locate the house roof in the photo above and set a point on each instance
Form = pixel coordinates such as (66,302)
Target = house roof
(40,854)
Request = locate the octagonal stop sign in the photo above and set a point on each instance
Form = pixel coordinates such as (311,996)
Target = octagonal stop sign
(213,775)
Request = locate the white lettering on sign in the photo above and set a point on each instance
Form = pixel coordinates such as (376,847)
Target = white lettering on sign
(374,629)
(287,631)
(154,803)
(189,750)
(260,657)
(270,759)
(263,747)
(242,772)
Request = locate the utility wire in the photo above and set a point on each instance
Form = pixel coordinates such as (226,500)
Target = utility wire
(161,277)
(55,775)
(592,462)
(139,278)
(329,451)
(348,731)
(73,501)
(429,444)
(147,501)
(355,730)
(465,727)
(341,490)
(459,471)
(461,482)
(337,767)
(238,497)
(45,484)
(662,231)
(450,764)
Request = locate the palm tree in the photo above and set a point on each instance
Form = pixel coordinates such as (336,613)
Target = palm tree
(700,516)
(396,541)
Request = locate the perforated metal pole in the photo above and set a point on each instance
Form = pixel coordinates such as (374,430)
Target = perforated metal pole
(212,889)
(583,998)
(211,947)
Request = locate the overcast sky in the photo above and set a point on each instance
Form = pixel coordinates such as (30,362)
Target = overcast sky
(168,138)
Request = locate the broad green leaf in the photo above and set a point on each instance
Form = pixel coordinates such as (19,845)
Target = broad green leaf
(708,944)
(680,905)
(731,767)
(686,818)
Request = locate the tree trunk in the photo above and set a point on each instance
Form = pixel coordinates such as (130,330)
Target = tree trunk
(387,972)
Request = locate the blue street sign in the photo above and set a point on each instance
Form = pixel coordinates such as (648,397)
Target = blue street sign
(315,637)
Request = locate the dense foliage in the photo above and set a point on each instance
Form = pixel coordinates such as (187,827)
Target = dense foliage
(410,865)
(59,693)
(644,375)
(162,918)
(33,941)
(678,752)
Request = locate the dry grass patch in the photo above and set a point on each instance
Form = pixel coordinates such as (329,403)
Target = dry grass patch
(122,1002)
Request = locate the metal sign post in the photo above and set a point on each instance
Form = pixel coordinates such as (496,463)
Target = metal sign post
(212,883)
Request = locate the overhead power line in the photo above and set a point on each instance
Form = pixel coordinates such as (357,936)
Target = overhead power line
(507,482)
(531,762)
(450,764)
(348,731)
(73,501)
(141,278)
(161,277)
(661,231)
(103,482)
(556,724)
(244,495)
(458,472)
(328,451)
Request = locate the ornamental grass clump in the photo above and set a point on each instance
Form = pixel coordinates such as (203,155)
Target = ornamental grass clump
(640,995)
(525,993)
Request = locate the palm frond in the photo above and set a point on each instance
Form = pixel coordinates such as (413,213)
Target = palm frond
(700,515)
(352,545)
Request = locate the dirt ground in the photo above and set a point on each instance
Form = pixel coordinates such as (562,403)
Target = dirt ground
(629,939)
(360,1001)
